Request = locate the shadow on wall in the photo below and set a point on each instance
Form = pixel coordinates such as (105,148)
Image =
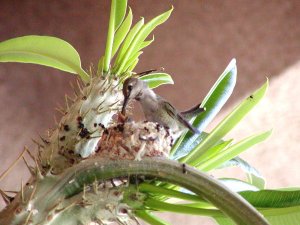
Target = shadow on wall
(195,45)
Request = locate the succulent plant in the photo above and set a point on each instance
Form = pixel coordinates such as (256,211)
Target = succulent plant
(97,169)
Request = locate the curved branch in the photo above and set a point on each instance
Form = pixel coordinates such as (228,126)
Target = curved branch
(198,182)
(72,181)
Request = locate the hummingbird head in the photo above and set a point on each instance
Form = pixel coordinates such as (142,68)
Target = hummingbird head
(132,89)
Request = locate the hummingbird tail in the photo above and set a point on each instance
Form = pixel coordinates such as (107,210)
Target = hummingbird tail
(194,111)
(194,130)
(187,124)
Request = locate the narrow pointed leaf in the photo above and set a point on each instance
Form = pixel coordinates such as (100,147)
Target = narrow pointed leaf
(176,208)
(110,36)
(120,11)
(224,221)
(156,79)
(121,33)
(43,50)
(184,146)
(141,36)
(272,198)
(150,218)
(278,206)
(229,122)
(117,36)
(275,216)
(218,95)
(148,188)
(213,102)
(146,43)
(132,60)
(127,42)
(101,65)
(117,14)
(237,185)
(254,177)
(132,66)
(213,151)
(231,152)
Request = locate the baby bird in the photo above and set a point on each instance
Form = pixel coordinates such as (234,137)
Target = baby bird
(157,109)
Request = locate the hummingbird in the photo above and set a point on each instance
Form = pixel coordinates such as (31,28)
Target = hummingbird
(157,109)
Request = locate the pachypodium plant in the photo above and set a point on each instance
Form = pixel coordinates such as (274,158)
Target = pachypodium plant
(96,168)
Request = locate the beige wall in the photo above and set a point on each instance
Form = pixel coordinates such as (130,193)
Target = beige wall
(194,46)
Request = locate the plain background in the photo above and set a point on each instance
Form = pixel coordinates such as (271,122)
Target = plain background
(194,46)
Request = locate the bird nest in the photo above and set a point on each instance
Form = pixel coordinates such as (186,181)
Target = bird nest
(135,141)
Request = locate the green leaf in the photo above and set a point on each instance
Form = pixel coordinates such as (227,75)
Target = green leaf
(132,66)
(117,13)
(121,33)
(213,102)
(184,146)
(132,60)
(177,208)
(146,43)
(279,207)
(156,79)
(284,216)
(161,191)
(289,189)
(43,50)
(254,177)
(272,198)
(229,122)
(101,65)
(224,221)
(110,37)
(140,37)
(280,216)
(217,96)
(231,152)
(120,11)
(213,151)
(150,218)
(237,185)
(127,42)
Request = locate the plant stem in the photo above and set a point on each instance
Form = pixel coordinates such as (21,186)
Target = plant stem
(72,181)
(171,171)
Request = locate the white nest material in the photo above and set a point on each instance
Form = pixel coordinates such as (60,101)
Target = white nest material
(135,141)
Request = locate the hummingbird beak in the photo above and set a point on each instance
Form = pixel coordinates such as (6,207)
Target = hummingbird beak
(125,104)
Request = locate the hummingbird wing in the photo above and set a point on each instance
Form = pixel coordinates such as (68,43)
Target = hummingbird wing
(179,117)
(194,111)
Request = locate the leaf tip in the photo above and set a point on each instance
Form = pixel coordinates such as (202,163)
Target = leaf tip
(266,134)
(260,92)
(129,14)
(267,81)
(265,86)
(232,67)
(170,10)
(168,13)
(269,133)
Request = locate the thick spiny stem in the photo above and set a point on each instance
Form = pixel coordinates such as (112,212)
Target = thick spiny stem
(82,124)
(53,190)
